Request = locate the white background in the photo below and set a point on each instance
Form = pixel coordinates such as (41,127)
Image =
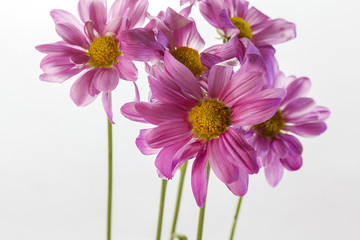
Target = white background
(53,155)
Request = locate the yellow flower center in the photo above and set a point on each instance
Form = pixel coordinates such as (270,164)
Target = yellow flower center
(209,119)
(272,126)
(104,51)
(243,26)
(190,58)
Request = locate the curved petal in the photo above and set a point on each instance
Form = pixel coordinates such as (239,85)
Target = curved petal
(292,163)
(106,79)
(218,78)
(106,101)
(126,69)
(79,92)
(280,147)
(199,178)
(298,108)
(129,111)
(222,167)
(261,145)
(300,87)
(59,16)
(274,172)
(295,147)
(274,32)
(142,144)
(311,129)
(98,14)
(71,34)
(188,36)
(240,186)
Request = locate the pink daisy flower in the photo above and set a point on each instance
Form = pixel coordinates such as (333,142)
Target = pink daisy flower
(92,46)
(193,123)
(298,114)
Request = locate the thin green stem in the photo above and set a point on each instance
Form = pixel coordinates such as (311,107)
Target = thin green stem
(178,199)
(202,210)
(235,218)
(110,155)
(161,208)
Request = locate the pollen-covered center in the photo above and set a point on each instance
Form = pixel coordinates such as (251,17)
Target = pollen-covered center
(103,52)
(209,119)
(243,26)
(190,58)
(272,126)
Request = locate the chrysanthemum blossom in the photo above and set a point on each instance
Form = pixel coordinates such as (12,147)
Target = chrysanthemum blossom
(92,46)
(276,146)
(191,123)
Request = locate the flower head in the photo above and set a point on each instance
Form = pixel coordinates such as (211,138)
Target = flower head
(192,123)
(275,146)
(93,46)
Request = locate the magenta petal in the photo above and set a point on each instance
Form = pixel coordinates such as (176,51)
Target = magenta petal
(71,34)
(295,147)
(113,25)
(274,32)
(189,36)
(311,129)
(142,144)
(280,147)
(298,108)
(199,178)
(59,16)
(106,79)
(292,163)
(138,14)
(79,92)
(240,186)
(261,145)
(274,172)
(222,167)
(168,133)
(59,48)
(174,20)
(98,14)
(164,160)
(238,151)
(182,76)
(322,112)
(297,88)
(127,69)
(106,101)
(219,76)
(129,111)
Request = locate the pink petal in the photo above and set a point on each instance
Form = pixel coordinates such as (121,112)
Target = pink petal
(138,14)
(168,133)
(295,147)
(222,167)
(126,69)
(240,186)
(142,144)
(113,25)
(218,78)
(274,32)
(129,111)
(280,147)
(61,16)
(79,92)
(59,48)
(274,172)
(106,101)
(98,14)
(199,178)
(106,79)
(188,36)
(71,34)
(298,88)
(261,145)
(84,8)
(254,17)
(298,108)
(292,163)
(311,129)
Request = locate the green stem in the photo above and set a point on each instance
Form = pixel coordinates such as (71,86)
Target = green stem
(109,180)
(202,210)
(161,209)
(235,218)
(178,199)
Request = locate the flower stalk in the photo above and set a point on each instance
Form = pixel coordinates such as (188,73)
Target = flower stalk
(110,158)
(202,209)
(235,218)
(161,209)
(178,199)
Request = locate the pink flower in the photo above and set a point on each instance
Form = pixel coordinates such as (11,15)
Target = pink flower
(92,46)
(275,147)
(193,123)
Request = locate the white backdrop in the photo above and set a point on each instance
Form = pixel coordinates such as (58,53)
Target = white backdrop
(53,155)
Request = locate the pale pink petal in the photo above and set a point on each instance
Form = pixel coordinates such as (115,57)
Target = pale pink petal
(61,16)
(126,69)
(106,79)
(71,34)
(254,17)
(297,88)
(188,36)
(298,108)
(261,145)
(138,14)
(274,32)
(106,101)
(219,77)
(59,48)
(222,167)
(292,163)
(79,92)
(240,186)
(129,111)
(142,144)
(274,172)
(311,129)
(295,147)
(199,178)
(98,14)
(280,147)
(174,20)
(113,25)
(84,8)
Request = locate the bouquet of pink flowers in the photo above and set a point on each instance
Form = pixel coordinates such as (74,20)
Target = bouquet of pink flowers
(228,107)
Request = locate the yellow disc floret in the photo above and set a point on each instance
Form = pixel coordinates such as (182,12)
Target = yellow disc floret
(243,26)
(209,119)
(272,126)
(190,58)
(104,51)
